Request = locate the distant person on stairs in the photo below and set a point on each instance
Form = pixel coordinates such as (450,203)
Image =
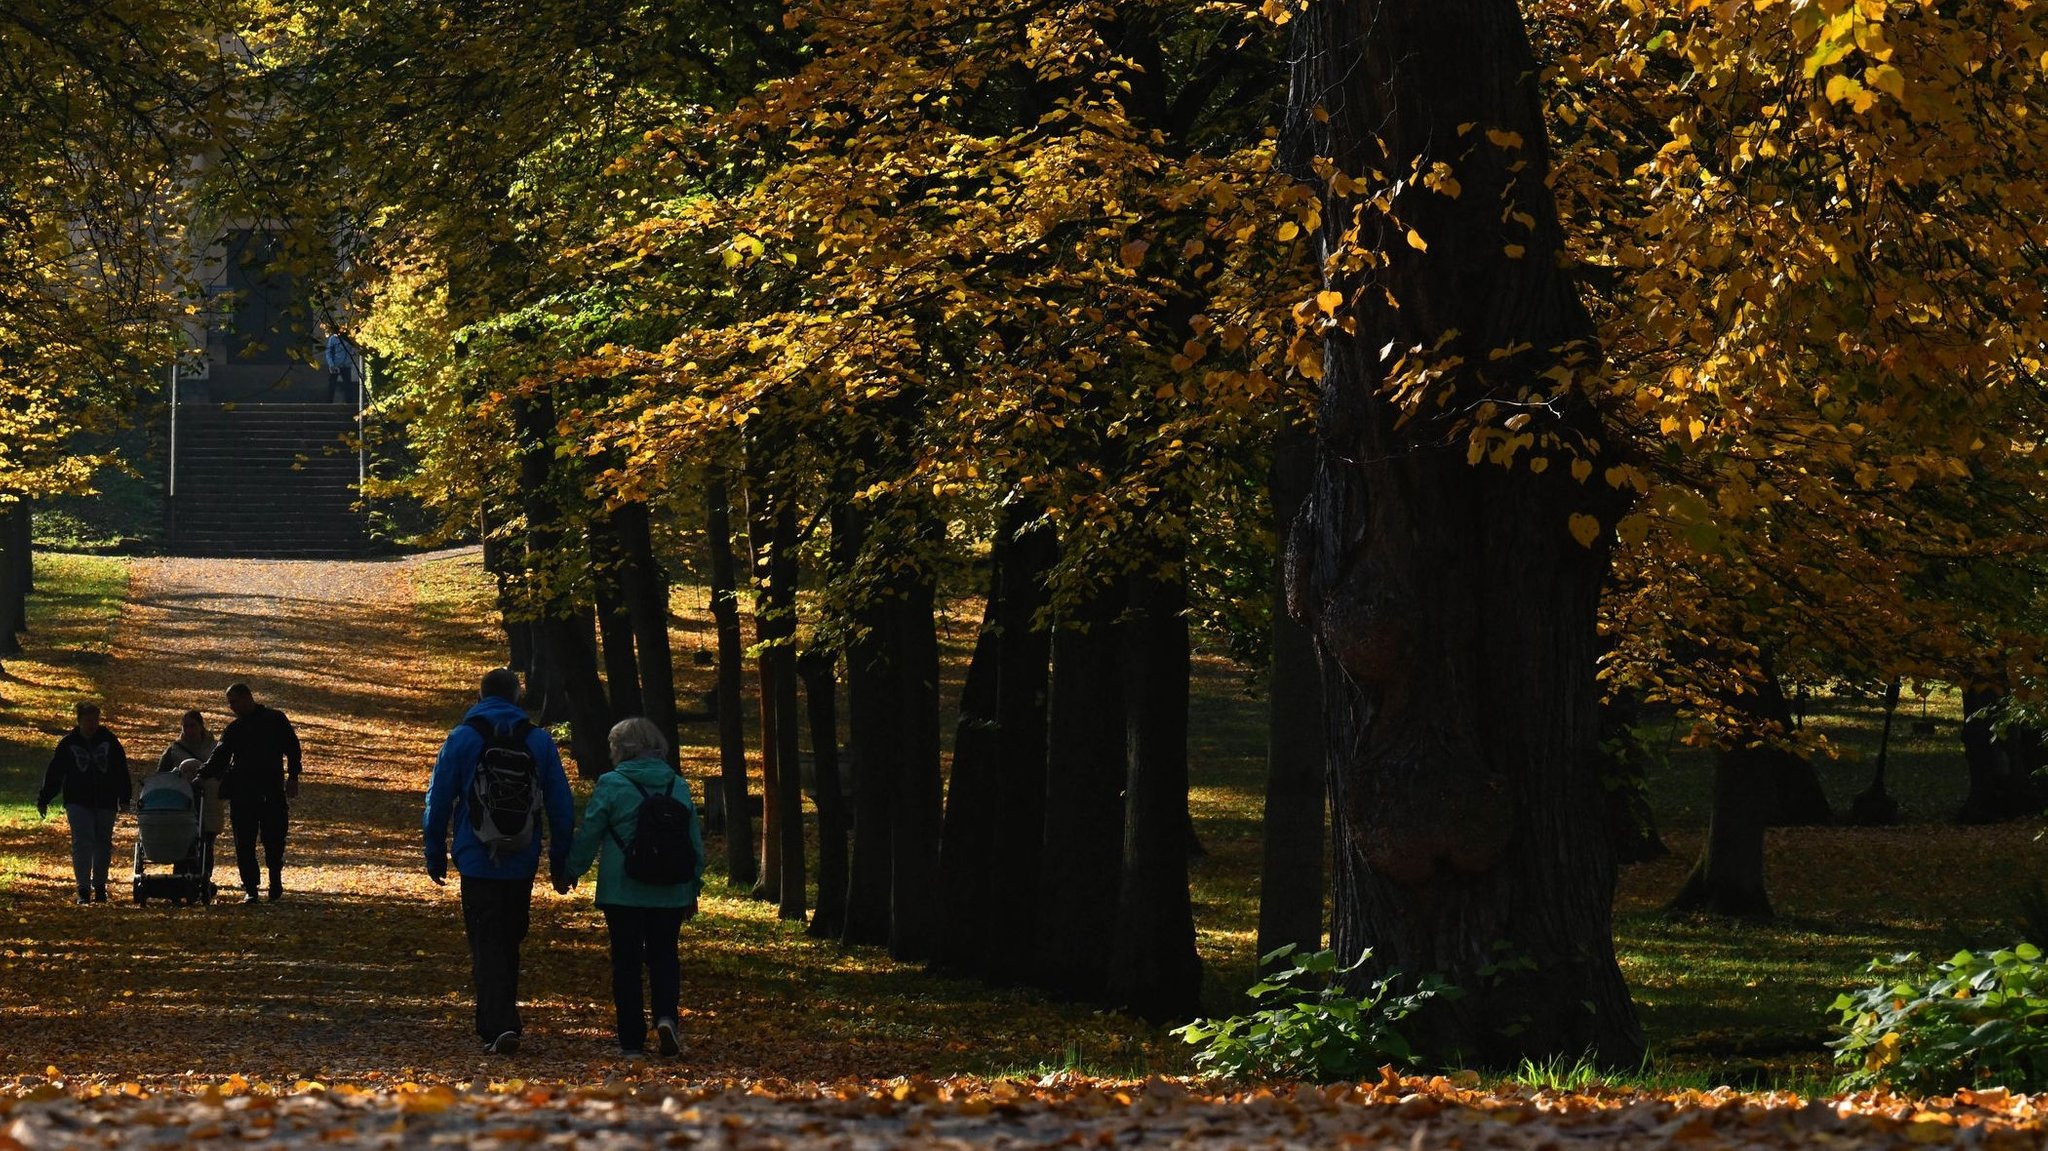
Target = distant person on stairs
(257,762)
(344,368)
(496,774)
(90,768)
(194,742)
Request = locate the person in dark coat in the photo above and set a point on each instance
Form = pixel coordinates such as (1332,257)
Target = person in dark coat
(90,769)
(497,887)
(258,764)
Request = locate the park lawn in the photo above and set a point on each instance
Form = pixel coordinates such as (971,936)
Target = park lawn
(71,621)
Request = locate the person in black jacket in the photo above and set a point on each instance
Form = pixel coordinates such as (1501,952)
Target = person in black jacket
(258,765)
(90,768)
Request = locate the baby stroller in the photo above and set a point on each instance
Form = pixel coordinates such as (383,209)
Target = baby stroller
(168,815)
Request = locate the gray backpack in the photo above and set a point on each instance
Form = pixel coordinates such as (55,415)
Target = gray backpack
(504,794)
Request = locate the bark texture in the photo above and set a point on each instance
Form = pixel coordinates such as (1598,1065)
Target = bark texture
(1453,610)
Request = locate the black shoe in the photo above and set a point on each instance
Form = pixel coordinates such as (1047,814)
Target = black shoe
(99,895)
(251,897)
(84,898)
(665,1035)
(505,1044)
(276,892)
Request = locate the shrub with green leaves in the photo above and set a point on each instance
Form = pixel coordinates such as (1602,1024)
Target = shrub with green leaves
(1974,1021)
(1309,1027)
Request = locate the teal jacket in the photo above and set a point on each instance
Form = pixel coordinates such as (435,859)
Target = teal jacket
(608,821)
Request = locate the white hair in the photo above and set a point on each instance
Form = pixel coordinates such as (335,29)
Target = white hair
(637,738)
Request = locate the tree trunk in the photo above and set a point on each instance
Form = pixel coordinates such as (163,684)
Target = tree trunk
(1080,870)
(967,860)
(25,549)
(767,637)
(1453,610)
(644,588)
(814,667)
(919,799)
(1729,877)
(732,735)
(1625,765)
(1291,866)
(1874,806)
(873,734)
(614,625)
(13,595)
(1153,969)
(2001,783)
(1024,663)
(564,623)
(1800,799)
(778,680)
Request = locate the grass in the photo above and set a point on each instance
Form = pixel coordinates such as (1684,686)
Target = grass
(71,621)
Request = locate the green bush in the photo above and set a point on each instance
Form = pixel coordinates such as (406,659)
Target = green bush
(1309,1027)
(1974,1021)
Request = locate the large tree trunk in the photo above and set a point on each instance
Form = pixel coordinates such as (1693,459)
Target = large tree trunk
(644,588)
(873,734)
(1024,664)
(1153,969)
(1291,866)
(1453,609)
(814,668)
(1729,877)
(2001,782)
(919,800)
(732,735)
(1079,872)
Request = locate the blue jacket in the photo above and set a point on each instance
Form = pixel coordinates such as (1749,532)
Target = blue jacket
(448,799)
(609,820)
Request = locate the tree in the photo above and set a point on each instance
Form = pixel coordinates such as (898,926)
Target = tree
(1454,610)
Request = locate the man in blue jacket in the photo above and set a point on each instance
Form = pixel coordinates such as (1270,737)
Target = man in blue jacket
(497,885)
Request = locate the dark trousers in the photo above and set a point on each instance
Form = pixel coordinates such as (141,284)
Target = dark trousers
(643,936)
(264,816)
(494,913)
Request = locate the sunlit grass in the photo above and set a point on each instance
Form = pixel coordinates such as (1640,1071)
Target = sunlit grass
(71,618)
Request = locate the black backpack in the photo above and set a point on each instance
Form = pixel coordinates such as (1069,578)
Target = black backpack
(504,795)
(661,853)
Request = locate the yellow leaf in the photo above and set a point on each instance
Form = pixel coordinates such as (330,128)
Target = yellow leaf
(1581,469)
(1514,251)
(1416,242)
(1585,529)
(1887,79)
(1289,230)
(1504,139)
(1329,302)
(1133,253)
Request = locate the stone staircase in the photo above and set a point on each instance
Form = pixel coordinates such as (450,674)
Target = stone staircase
(273,481)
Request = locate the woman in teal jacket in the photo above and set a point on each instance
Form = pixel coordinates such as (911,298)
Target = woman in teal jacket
(644,920)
